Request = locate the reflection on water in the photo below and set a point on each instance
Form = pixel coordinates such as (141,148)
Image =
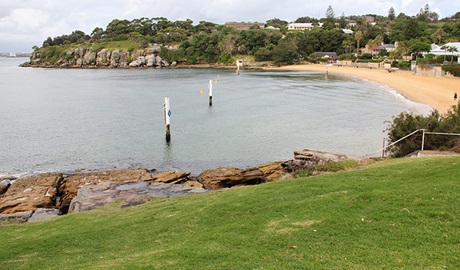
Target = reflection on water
(67,119)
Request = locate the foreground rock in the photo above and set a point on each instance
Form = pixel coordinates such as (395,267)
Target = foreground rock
(95,196)
(16,218)
(31,193)
(4,185)
(70,185)
(229,177)
(43,214)
(308,159)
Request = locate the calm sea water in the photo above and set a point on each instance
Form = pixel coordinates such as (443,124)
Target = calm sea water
(69,119)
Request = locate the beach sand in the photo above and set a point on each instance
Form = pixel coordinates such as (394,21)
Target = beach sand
(436,92)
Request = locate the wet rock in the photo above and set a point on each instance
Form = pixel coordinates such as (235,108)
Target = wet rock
(95,196)
(4,185)
(229,177)
(30,193)
(16,218)
(44,214)
(71,184)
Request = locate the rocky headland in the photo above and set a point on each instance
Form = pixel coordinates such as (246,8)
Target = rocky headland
(103,58)
(43,196)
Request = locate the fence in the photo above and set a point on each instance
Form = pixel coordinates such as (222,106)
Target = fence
(424,133)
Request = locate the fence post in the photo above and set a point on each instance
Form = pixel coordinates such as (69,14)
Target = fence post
(423,139)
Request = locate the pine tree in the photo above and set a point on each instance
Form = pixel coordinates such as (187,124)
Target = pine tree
(391,14)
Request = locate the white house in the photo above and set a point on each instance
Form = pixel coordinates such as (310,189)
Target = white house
(438,50)
(302,26)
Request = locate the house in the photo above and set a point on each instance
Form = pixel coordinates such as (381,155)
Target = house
(441,50)
(302,26)
(388,47)
(348,31)
(244,25)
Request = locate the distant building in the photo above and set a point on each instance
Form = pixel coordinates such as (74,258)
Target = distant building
(348,31)
(441,50)
(303,26)
(245,25)
(388,47)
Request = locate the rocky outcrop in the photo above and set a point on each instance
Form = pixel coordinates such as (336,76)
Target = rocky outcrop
(43,214)
(4,185)
(72,183)
(308,159)
(30,193)
(95,196)
(16,218)
(230,177)
(273,171)
(104,58)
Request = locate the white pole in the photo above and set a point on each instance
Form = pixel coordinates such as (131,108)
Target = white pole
(423,139)
(210,92)
(167,113)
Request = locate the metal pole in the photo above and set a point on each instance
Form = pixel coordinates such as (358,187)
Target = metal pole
(383,149)
(423,139)
(167,114)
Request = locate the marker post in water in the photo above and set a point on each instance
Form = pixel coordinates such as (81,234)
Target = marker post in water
(210,92)
(167,114)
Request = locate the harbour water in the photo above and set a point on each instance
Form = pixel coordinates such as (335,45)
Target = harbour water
(80,119)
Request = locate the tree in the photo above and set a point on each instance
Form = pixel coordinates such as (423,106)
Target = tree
(391,14)
(330,13)
(97,34)
(358,38)
(286,50)
(437,35)
(451,49)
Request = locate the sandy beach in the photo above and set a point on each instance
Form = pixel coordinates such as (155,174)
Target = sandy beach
(437,92)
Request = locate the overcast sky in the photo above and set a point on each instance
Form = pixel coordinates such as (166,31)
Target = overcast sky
(25,23)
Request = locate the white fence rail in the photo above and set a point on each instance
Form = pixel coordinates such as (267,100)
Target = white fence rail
(424,133)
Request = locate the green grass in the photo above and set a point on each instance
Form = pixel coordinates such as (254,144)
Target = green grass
(396,214)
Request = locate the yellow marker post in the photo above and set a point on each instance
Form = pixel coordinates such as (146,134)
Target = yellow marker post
(201,91)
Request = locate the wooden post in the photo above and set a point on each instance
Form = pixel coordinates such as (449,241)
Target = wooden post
(210,92)
(167,114)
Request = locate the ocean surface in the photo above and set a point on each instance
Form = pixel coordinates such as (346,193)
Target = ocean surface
(83,120)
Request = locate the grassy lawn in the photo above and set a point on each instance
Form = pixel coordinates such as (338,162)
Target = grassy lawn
(396,214)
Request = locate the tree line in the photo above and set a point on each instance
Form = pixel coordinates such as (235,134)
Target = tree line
(207,42)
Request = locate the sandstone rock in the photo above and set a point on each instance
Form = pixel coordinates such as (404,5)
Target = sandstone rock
(115,58)
(4,185)
(89,58)
(30,193)
(95,196)
(272,171)
(150,59)
(16,218)
(171,177)
(229,177)
(43,214)
(71,184)
(308,159)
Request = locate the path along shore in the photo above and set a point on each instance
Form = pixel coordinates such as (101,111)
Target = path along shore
(436,92)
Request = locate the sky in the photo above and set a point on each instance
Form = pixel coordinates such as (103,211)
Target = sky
(27,23)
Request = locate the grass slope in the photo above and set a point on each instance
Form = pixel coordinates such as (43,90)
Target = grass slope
(398,214)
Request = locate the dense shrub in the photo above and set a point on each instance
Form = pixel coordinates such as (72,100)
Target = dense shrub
(453,69)
(406,123)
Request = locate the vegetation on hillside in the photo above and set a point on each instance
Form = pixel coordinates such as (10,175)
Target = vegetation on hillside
(207,42)
(406,123)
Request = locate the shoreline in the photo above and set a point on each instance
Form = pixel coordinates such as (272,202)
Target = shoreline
(436,92)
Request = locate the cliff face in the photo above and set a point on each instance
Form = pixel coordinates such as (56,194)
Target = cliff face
(86,58)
